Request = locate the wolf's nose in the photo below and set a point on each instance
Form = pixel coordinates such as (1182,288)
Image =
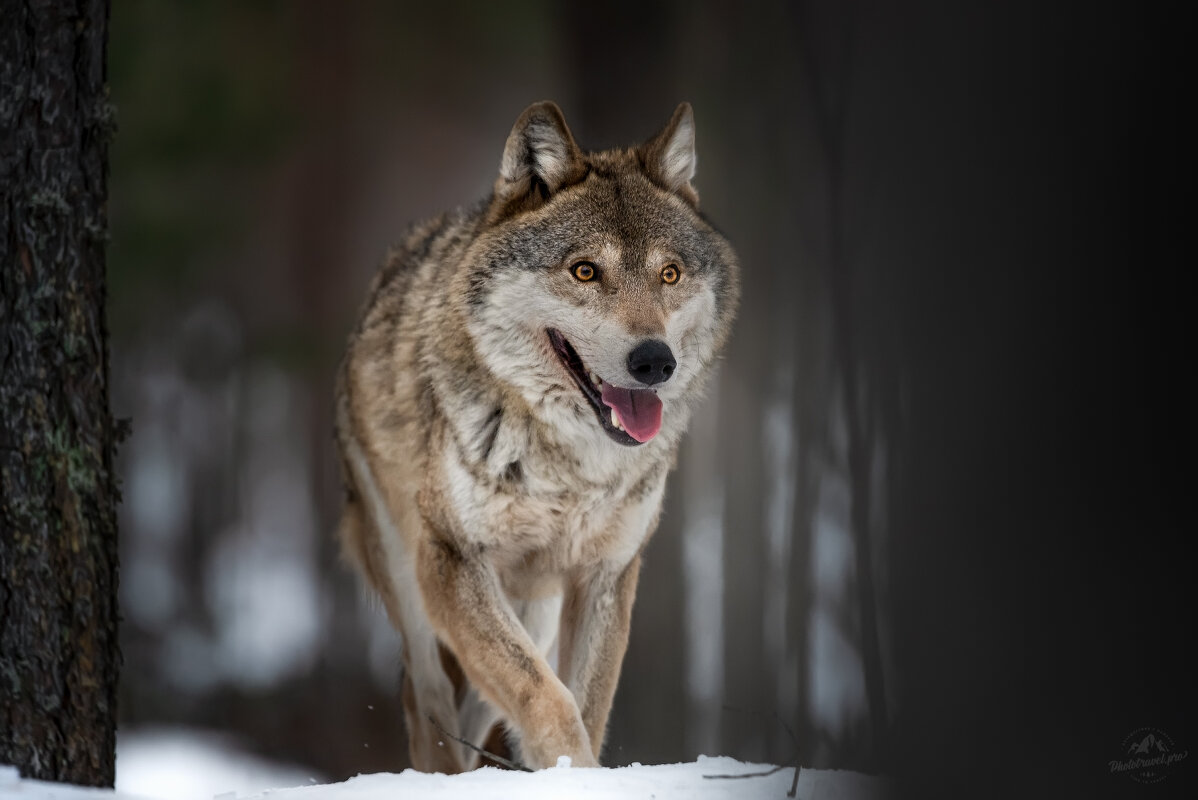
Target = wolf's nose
(651,362)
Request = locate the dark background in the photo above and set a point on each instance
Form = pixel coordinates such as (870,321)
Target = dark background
(955,408)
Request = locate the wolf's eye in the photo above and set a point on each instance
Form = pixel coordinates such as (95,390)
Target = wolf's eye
(584,271)
(670,274)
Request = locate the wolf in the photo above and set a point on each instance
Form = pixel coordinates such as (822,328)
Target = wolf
(507,411)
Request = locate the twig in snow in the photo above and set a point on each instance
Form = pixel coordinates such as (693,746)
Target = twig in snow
(479,750)
(794,783)
(751,774)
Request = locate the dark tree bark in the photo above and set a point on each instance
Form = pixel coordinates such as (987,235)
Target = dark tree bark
(58,558)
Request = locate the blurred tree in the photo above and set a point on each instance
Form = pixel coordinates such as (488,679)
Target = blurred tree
(58,495)
(828,71)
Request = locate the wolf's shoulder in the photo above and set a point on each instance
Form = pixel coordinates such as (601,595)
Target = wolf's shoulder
(432,244)
(430,239)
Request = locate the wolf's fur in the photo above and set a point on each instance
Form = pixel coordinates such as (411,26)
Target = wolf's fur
(486,504)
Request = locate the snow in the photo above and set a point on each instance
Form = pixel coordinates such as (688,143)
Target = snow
(663,782)
(189,764)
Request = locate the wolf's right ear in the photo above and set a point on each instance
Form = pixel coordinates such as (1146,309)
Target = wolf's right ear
(669,157)
(539,158)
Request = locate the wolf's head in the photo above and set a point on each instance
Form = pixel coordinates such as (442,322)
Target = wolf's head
(594,287)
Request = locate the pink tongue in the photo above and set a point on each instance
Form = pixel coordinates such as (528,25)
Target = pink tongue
(639,410)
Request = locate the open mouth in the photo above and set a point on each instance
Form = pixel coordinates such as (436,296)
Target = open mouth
(628,416)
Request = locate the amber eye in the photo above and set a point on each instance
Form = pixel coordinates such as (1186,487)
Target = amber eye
(670,274)
(584,271)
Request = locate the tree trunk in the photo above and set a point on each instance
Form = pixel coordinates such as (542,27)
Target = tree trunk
(58,556)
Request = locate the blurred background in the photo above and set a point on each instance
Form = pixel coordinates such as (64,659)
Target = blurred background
(916,515)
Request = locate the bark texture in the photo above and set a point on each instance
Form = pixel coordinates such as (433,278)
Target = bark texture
(58,539)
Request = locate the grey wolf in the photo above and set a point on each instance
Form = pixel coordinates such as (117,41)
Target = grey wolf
(508,408)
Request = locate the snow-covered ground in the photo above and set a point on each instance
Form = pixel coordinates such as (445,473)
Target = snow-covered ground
(188,764)
(170,764)
(665,782)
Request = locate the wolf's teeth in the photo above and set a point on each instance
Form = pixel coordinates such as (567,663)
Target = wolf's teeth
(594,378)
(615,421)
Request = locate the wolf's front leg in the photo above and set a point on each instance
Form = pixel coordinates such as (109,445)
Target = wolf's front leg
(467,607)
(596,616)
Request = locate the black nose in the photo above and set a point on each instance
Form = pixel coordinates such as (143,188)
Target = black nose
(651,362)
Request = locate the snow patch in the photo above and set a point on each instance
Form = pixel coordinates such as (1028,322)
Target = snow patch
(182,764)
(662,782)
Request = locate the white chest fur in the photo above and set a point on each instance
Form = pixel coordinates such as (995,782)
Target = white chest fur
(547,520)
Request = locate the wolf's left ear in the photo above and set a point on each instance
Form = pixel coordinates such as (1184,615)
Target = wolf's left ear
(669,156)
(539,158)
